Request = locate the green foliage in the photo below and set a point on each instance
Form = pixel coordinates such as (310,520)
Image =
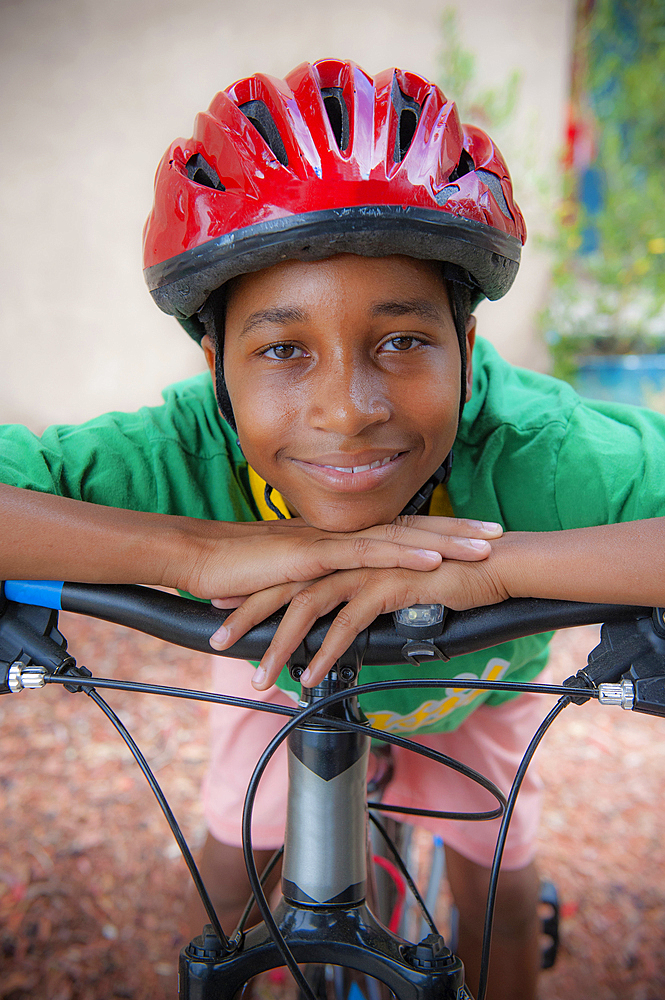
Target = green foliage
(622,43)
(626,82)
(496,109)
(492,107)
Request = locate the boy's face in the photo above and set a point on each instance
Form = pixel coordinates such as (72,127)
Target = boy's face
(344,376)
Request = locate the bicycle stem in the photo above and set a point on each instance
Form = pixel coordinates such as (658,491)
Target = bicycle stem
(325,860)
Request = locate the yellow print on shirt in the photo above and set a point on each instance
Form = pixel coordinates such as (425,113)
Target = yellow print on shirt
(432,711)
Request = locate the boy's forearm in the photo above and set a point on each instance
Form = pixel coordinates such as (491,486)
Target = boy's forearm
(616,563)
(52,537)
(56,538)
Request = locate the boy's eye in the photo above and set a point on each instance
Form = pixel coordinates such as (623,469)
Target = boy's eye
(283,352)
(403,342)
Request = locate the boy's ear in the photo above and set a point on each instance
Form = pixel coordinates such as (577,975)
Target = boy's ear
(210,353)
(470,341)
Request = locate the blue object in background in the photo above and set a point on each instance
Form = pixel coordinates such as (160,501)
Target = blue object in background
(627,378)
(592,197)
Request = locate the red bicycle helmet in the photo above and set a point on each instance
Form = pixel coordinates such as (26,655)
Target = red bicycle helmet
(328,161)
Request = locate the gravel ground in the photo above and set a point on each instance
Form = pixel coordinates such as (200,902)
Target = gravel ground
(92,885)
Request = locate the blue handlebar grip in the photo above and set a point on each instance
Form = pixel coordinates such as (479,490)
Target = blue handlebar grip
(43,593)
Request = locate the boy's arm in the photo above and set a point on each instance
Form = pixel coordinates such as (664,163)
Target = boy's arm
(43,536)
(612,564)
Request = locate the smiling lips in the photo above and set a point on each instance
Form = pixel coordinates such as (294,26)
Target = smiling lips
(351,478)
(362,468)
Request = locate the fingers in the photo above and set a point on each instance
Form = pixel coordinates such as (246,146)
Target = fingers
(360,611)
(451,537)
(460,526)
(251,612)
(463,547)
(367,594)
(227,602)
(310,604)
(254,562)
(384,550)
(395,546)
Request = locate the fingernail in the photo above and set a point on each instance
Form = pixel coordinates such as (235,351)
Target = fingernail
(259,677)
(305,677)
(476,543)
(484,525)
(220,638)
(429,554)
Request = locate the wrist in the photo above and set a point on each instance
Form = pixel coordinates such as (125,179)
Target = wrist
(515,563)
(183,548)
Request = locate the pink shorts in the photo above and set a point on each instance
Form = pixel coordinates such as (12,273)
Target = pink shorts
(492,740)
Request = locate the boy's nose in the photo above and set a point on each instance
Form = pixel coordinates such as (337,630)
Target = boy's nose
(347,401)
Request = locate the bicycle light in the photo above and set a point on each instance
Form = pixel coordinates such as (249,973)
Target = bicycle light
(420,624)
(420,621)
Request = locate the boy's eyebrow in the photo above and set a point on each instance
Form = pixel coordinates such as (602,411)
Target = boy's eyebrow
(280,315)
(283,315)
(418,307)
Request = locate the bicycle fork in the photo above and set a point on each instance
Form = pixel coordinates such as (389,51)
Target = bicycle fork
(323,914)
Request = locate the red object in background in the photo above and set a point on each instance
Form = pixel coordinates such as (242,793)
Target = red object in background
(579,151)
(400,886)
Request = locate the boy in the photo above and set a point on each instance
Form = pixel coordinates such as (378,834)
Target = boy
(326,239)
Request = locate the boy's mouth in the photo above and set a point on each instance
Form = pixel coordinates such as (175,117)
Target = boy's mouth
(363,468)
(360,472)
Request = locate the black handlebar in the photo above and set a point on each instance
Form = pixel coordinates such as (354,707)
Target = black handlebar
(190,623)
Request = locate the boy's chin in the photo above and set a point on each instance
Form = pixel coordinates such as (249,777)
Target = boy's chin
(354,519)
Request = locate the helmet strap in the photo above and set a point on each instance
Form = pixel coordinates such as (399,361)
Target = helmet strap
(222,393)
(267,494)
(460,305)
(461,310)
(422,497)
(212,315)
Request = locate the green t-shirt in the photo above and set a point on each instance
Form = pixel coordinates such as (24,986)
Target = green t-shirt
(529,453)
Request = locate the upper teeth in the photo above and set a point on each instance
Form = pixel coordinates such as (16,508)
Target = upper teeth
(362,468)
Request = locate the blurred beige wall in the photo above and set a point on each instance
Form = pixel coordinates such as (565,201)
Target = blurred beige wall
(94,91)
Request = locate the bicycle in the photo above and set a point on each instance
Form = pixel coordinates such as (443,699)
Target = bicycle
(323,907)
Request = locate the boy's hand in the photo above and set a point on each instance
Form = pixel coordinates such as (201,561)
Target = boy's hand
(605,563)
(368,593)
(250,558)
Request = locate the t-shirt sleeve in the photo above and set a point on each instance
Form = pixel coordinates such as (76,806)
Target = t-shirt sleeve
(611,465)
(104,461)
(177,458)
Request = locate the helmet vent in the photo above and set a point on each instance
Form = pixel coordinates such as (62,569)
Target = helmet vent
(465,166)
(408,115)
(338,114)
(494,184)
(445,193)
(261,118)
(199,170)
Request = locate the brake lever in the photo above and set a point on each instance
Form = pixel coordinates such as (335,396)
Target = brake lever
(627,667)
(29,637)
